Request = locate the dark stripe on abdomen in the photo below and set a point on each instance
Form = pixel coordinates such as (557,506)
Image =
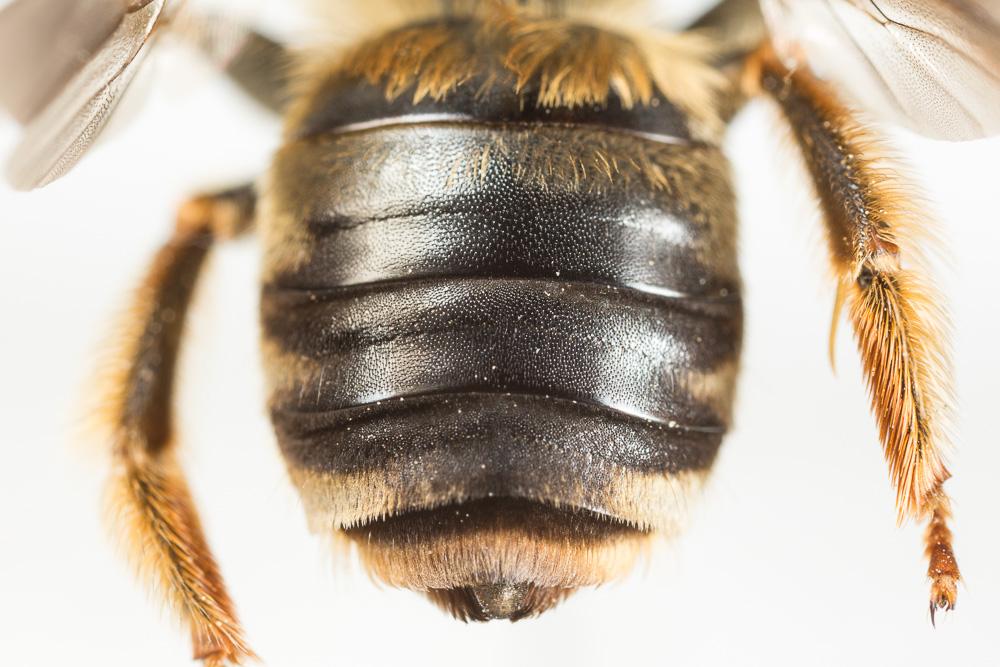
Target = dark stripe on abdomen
(516,441)
(579,341)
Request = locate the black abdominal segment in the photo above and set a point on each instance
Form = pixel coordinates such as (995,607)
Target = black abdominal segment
(484,298)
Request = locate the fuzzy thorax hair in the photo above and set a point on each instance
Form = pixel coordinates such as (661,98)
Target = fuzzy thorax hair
(573,53)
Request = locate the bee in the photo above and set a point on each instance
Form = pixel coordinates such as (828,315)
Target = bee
(500,301)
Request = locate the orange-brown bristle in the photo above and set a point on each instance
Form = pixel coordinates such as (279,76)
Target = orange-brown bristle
(899,358)
(549,52)
(432,60)
(566,60)
(877,231)
(150,503)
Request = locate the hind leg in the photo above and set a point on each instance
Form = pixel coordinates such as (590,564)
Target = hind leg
(152,506)
(877,233)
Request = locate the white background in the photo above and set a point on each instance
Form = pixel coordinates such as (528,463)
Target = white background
(793,556)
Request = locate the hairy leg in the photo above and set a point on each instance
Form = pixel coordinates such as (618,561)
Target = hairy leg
(876,232)
(152,507)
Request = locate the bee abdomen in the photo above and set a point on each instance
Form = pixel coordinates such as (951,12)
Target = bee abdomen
(458,322)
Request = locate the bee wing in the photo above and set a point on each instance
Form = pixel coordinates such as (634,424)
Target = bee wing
(930,65)
(64,67)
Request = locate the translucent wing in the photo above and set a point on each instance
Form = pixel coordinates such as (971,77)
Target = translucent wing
(63,68)
(930,65)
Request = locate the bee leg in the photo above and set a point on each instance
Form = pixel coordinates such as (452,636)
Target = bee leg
(151,506)
(259,65)
(874,228)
